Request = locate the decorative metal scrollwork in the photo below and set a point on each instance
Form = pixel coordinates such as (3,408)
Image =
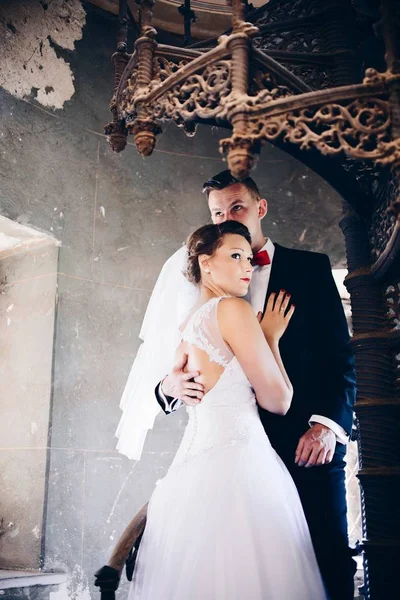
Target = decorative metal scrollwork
(294,40)
(200,96)
(318,77)
(360,128)
(384,229)
(222,84)
(288,10)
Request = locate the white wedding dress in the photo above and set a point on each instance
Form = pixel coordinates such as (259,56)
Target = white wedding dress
(226,522)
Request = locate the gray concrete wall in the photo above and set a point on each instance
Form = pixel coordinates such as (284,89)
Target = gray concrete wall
(119,217)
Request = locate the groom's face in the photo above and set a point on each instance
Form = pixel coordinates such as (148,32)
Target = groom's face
(237,203)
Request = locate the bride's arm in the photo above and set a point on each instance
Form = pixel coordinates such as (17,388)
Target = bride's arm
(261,363)
(274,324)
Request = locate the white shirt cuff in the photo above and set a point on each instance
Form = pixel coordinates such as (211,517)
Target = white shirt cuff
(169,406)
(341,435)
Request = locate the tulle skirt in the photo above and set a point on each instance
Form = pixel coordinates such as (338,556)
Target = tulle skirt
(227,525)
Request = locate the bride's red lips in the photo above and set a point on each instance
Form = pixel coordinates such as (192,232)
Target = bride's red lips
(245,278)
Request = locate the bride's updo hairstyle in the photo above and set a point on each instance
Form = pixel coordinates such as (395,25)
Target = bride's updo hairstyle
(206,240)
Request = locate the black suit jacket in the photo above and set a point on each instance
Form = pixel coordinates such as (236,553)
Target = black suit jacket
(315,350)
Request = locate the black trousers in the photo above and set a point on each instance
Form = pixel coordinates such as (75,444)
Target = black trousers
(323,495)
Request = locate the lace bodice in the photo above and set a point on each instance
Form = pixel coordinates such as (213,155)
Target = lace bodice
(228,413)
(201,329)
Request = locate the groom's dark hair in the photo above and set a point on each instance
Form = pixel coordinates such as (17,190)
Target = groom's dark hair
(224,179)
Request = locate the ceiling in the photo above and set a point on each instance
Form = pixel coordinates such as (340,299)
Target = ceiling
(213,16)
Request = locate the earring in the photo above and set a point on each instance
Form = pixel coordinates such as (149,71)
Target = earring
(207,270)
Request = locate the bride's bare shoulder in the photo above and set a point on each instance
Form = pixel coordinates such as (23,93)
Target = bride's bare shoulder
(231,309)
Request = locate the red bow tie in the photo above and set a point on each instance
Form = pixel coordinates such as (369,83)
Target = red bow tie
(260,259)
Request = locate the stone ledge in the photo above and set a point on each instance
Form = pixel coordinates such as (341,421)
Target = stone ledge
(18,579)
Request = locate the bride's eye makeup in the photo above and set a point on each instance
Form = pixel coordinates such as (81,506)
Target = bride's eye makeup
(236,255)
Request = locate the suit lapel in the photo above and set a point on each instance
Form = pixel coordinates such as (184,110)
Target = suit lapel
(286,276)
(278,278)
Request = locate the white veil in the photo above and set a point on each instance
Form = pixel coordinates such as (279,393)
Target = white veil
(172,298)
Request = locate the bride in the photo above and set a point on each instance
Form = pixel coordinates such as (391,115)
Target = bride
(226,522)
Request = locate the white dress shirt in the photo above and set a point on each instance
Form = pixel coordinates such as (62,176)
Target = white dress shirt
(256,296)
(260,280)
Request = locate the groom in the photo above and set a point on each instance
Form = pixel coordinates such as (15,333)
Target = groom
(311,439)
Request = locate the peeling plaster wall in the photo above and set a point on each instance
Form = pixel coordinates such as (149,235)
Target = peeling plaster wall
(30,32)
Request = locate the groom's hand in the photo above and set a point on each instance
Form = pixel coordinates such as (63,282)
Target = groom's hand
(316,447)
(178,384)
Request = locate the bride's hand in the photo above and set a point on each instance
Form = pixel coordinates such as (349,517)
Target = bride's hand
(277,316)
